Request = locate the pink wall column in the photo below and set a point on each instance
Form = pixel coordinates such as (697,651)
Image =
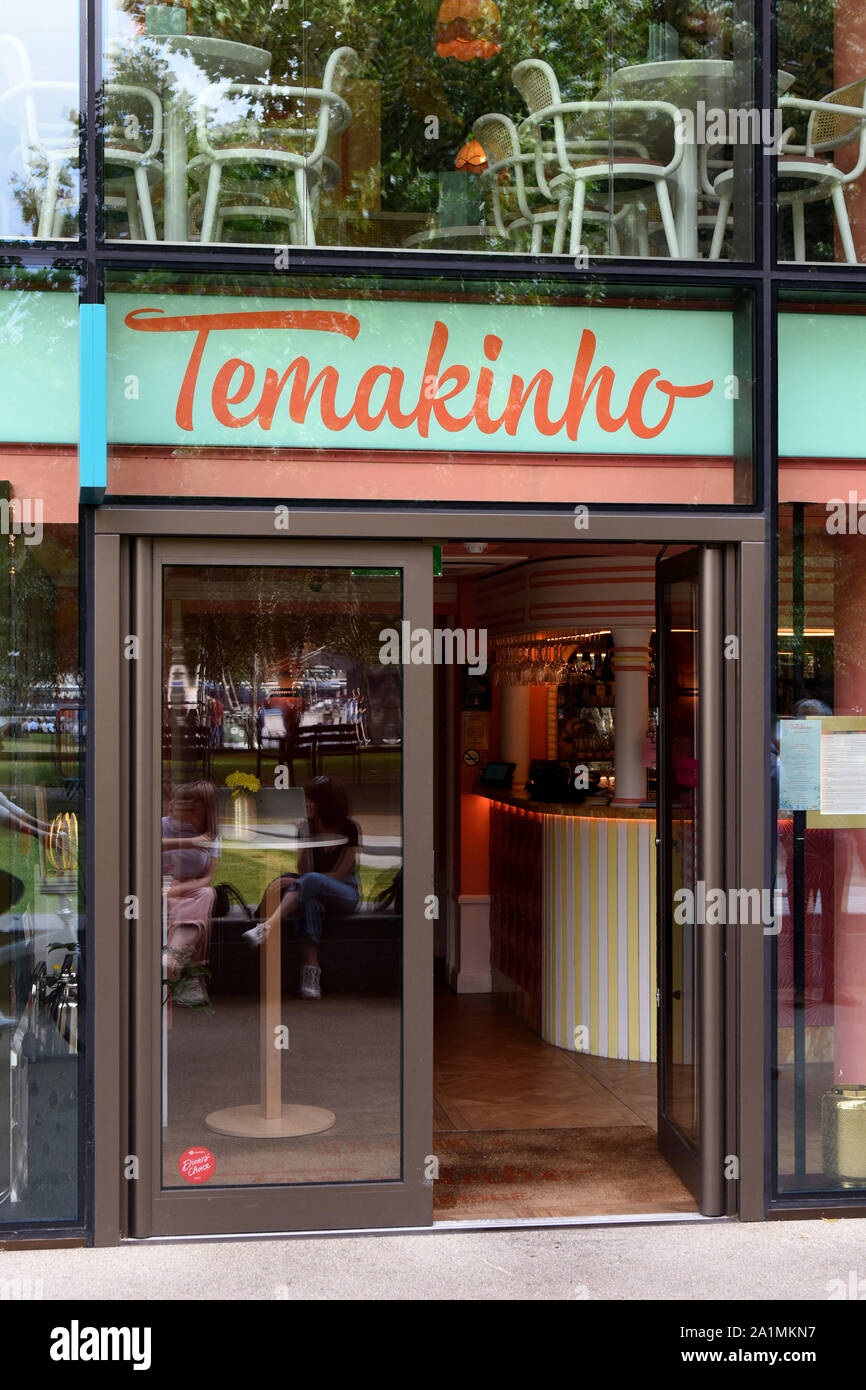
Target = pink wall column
(850,850)
(849,58)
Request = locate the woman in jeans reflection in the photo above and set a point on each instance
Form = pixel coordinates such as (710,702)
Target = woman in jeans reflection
(326,882)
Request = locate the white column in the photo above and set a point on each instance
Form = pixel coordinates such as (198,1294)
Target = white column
(631,713)
(515,731)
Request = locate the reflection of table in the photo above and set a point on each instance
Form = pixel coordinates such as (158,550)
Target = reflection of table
(271,1118)
(217,58)
(684,82)
(488,237)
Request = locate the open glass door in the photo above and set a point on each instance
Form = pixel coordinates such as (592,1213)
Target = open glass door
(281,979)
(691,950)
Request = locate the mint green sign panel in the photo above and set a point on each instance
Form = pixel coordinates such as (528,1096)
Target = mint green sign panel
(38,366)
(399,374)
(822,386)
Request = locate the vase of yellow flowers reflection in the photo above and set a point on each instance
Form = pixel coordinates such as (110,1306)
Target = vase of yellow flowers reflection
(62,847)
(243,787)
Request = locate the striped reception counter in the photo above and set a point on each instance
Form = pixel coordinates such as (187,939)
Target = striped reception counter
(599,932)
(592,927)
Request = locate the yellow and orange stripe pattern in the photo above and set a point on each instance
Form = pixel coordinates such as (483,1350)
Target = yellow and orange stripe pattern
(599,936)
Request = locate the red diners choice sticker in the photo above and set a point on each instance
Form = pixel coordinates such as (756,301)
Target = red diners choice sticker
(196,1165)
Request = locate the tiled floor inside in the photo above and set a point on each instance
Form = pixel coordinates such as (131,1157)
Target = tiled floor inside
(524,1129)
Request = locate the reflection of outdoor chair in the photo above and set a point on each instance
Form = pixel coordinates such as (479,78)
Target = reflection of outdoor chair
(252,204)
(506,163)
(129,158)
(497,135)
(712,162)
(836,122)
(297,147)
(47,129)
(48,151)
(625,179)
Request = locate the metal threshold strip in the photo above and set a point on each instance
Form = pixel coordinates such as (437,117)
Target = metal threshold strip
(494,1224)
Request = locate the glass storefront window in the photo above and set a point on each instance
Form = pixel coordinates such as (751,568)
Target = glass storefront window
(465,125)
(39,104)
(821,878)
(822,161)
(816,750)
(42,732)
(282,829)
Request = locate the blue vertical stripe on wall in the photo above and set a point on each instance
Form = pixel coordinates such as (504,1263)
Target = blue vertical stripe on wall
(92,441)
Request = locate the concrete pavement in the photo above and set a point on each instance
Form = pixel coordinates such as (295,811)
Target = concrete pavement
(814,1260)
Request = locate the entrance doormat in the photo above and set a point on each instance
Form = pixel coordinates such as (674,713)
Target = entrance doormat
(554,1172)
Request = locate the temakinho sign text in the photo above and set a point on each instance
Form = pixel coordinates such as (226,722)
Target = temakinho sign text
(414,375)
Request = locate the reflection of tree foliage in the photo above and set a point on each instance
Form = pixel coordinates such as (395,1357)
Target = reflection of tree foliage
(806,44)
(58,275)
(497,290)
(806,39)
(28,606)
(19,326)
(28,189)
(276,622)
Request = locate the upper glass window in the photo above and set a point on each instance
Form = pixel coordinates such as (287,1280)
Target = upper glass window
(582,129)
(39,100)
(822,159)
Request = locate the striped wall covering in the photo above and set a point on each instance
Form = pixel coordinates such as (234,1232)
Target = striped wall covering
(599,935)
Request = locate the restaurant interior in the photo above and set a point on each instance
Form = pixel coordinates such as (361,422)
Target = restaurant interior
(545,1037)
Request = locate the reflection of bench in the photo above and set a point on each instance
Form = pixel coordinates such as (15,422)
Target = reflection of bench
(301,745)
(359,954)
(335,739)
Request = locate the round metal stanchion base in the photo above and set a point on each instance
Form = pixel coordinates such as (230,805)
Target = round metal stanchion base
(248,1122)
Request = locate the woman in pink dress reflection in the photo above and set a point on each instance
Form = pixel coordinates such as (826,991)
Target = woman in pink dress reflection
(190,851)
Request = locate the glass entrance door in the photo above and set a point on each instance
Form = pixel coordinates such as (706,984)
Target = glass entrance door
(280,987)
(691,949)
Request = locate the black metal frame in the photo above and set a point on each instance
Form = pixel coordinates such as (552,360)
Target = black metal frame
(760,281)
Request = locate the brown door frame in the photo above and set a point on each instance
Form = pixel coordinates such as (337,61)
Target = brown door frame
(748,699)
(134,799)
(701,1167)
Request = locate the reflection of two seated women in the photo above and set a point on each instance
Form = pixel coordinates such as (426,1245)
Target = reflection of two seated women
(325,884)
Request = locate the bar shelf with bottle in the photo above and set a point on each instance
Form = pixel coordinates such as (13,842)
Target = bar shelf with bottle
(572,858)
